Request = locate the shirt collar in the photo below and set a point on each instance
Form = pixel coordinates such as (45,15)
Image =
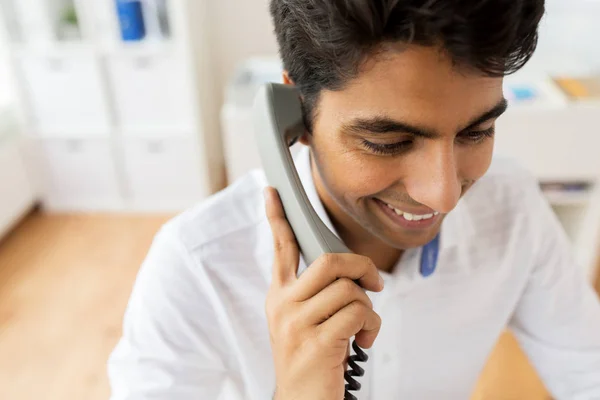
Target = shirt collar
(303,166)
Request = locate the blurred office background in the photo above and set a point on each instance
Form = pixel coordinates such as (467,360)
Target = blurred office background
(117,114)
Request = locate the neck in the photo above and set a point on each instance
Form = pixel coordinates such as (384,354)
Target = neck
(357,238)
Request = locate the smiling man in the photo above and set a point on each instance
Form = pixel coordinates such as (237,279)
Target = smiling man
(400,100)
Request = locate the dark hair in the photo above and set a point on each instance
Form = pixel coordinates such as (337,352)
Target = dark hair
(323,43)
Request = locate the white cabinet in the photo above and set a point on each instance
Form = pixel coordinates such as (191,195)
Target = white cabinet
(17,194)
(151,92)
(117,124)
(99,21)
(33,16)
(43,22)
(79,174)
(163,174)
(65,93)
(555,144)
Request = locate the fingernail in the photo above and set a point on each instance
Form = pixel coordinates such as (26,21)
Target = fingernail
(381,282)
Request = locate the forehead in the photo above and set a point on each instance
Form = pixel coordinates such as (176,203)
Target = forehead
(416,84)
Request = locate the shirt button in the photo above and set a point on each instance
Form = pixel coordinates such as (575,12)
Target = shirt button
(387,358)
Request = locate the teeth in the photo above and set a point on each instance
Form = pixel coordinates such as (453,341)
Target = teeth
(412,217)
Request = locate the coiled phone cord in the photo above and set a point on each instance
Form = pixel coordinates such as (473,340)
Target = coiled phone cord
(355,370)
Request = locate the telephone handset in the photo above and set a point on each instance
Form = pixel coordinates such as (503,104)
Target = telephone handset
(278,123)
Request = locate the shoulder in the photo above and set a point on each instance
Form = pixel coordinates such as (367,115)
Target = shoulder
(507,187)
(505,204)
(232,211)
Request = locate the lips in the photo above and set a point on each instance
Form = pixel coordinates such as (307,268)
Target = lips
(412,216)
(407,219)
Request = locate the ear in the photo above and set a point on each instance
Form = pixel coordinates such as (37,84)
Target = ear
(286,79)
(305,139)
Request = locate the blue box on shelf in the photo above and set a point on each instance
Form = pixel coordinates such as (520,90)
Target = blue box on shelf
(131,20)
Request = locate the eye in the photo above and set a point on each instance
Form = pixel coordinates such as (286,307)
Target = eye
(478,136)
(387,148)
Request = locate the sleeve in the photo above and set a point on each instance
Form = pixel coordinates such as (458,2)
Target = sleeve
(557,320)
(171,347)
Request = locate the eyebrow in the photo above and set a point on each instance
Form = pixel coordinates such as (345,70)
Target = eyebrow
(386,125)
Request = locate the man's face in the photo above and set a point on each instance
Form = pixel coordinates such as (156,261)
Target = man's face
(412,131)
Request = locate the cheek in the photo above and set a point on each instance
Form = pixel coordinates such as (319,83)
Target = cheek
(475,161)
(352,174)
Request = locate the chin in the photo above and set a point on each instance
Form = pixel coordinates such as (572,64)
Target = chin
(409,239)
(411,243)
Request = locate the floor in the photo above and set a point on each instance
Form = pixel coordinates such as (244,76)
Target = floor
(64,284)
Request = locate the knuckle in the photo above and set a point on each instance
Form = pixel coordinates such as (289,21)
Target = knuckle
(271,308)
(275,305)
(278,246)
(358,310)
(372,314)
(328,260)
(368,263)
(377,318)
(351,290)
(322,339)
(290,327)
(346,286)
(283,243)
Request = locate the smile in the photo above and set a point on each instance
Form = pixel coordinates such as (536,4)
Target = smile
(412,217)
(406,220)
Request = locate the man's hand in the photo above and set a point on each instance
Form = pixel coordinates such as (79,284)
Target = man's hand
(312,318)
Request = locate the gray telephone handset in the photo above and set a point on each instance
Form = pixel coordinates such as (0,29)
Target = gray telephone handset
(278,122)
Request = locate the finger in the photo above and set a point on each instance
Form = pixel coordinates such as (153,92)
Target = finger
(332,266)
(285,263)
(355,319)
(346,357)
(332,299)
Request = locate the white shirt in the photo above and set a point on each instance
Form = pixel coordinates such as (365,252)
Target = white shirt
(195,326)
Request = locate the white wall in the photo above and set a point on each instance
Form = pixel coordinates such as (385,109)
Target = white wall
(569,36)
(243,28)
(240,29)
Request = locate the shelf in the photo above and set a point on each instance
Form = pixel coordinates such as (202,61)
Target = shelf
(68,133)
(47,26)
(548,95)
(144,48)
(157,132)
(568,192)
(558,198)
(79,48)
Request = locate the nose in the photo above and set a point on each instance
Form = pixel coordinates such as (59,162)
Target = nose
(433,180)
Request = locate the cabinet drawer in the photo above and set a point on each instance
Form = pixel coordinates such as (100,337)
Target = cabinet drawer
(163,174)
(79,174)
(65,92)
(151,92)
